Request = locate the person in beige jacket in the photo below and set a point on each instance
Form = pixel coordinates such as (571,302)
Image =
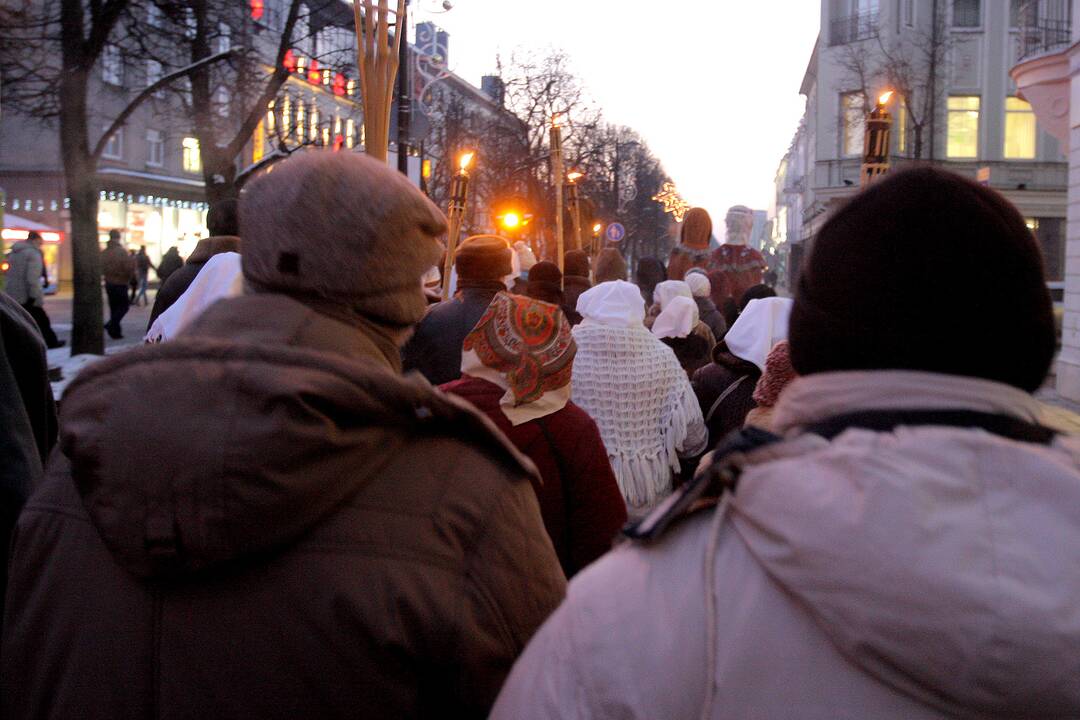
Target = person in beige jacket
(904,547)
(118,268)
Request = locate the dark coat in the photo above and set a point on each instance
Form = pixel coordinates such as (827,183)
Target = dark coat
(580,499)
(27,418)
(305,534)
(434,350)
(712,317)
(573,287)
(179,281)
(710,383)
(170,263)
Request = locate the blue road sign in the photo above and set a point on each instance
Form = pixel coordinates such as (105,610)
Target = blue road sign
(615,232)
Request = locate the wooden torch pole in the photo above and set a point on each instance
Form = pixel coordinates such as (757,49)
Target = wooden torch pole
(459,197)
(560,178)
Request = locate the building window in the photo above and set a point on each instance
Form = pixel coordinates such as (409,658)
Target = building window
(902,128)
(155,148)
(967,13)
(963,131)
(192,161)
(224,42)
(300,115)
(258,143)
(112,65)
(114,149)
(286,116)
(1014,12)
(907,13)
(350,133)
(153,74)
(1021,131)
(314,134)
(853,121)
(350,88)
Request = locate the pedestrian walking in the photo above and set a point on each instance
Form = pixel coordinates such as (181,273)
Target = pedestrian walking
(170,263)
(24,279)
(650,273)
(143,266)
(575,282)
(701,288)
(675,327)
(482,263)
(27,419)
(632,385)
(579,497)
(118,268)
(725,387)
(221,221)
(899,554)
(663,295)
(306,533)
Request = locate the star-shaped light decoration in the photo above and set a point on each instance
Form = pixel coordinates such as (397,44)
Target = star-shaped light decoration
(672,201)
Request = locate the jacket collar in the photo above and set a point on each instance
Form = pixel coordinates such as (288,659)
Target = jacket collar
(815,398)
(211,246)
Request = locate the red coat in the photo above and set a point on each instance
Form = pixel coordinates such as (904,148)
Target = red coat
(580,500)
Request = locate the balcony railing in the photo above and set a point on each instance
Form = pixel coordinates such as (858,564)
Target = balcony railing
(1045,27)
(860,26)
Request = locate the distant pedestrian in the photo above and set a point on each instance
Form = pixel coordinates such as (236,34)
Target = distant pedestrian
(118,267)
(632,385)
(143,266)
(170,263)
(482,263)
(516,368)
(575,282)
(725,387)
(263,518)
(650,273)
(222,223)
(27,419)
(676,326)
(701,288)
(664,294)
(221,278)
(25,275)
(610,266)
(757,292)
(545,283)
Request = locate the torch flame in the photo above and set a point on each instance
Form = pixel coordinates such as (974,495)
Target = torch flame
(597,228)
(573,176)
(466,160)
(557,120)
(884,99)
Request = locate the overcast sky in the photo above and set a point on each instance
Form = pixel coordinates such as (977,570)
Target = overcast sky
(712,85)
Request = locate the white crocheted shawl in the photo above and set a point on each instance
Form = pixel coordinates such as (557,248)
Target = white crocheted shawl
(634,388)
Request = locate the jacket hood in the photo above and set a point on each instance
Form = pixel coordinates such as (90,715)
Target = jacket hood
(258,422)
(937,559)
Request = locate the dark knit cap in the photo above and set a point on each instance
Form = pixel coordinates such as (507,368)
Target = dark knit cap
(223,218)
(483,257)
(757,292)
(340,230)
(927,271)
(576,263)
(545,283)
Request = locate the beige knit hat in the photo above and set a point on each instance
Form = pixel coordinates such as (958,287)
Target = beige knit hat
(342,229)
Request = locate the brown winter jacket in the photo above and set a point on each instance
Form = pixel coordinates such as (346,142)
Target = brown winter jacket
(117,266)
(304,534)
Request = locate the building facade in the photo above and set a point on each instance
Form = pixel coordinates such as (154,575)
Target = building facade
(151,171)
(965,114)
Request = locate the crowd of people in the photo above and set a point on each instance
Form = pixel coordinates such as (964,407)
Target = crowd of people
(321,490)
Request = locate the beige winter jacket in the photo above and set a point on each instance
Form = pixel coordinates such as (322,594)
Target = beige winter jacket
(916,574)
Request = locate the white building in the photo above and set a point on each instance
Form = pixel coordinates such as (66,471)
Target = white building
(963,105)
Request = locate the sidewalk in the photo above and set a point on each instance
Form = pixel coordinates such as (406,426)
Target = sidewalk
(59,309)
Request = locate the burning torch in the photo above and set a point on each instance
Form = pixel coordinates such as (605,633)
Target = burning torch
(573,204)
(557,173)
(459,196)
(876,143)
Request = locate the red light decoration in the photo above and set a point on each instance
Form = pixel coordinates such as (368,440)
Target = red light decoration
(257,8)
(339,85)
(339,142)
(290,61)
(314,76)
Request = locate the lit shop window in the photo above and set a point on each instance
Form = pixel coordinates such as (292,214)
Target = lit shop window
(963,130)
(1020,130)
(271,119)
(350,133)
(286,116)
(350,88)
(314,133)
(114,148)
(901,128)
(853,119)
(258,142)
(192,161)
(301,114)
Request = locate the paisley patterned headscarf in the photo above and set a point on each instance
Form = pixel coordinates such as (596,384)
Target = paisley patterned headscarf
(525,347)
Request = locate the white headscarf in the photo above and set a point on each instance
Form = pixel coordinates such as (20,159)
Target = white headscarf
(762,324)
(699,284)
(221,277)
(669,289)
(677,320)
(617,303)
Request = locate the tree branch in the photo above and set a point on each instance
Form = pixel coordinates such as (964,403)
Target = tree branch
(149,90)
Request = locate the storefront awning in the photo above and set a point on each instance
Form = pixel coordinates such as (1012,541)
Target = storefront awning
(17,228)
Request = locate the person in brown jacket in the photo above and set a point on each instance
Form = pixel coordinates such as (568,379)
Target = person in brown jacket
(305,532)
(118,269)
